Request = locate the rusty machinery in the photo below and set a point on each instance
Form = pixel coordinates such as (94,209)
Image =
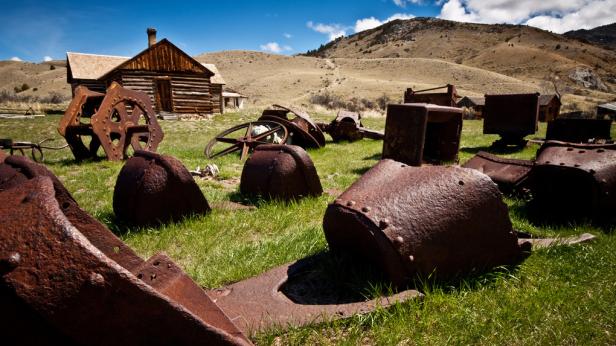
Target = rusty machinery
(575,180)
(448,98)
(511,116)
(246,137)
(280,171)
(566,180)
(66,278)
(511,175)
(347,126)
(36,149)
(114,121)
(417,133)
(153,188)
(277,125)
(418,220)
(578,130)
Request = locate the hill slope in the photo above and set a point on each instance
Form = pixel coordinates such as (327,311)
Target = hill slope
(603,35)
(518,51)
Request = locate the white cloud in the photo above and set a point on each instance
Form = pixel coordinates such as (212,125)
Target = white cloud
(274,47)
(15,58)
(47,58)
(371,22)
(287,35)
(333,31)
(403,3)
(554,15)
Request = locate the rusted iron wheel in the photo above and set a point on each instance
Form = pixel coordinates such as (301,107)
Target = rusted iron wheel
(125,118)
(243,138)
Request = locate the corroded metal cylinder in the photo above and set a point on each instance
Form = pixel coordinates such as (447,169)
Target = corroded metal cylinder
(423,220)
(280,172)
(155,188)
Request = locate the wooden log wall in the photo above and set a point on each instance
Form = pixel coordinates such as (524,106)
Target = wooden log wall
(93,85)
(217,101)
(191,93)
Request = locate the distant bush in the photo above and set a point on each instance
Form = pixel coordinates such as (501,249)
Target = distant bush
(557,47)
(354,104)
(21,88)
(53,97)
(52,67)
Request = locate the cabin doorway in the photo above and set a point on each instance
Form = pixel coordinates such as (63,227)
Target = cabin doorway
(162,87)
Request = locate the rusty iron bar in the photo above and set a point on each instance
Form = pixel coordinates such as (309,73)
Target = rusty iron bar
(418,133)
(431,220)
(281,172)
(153,188)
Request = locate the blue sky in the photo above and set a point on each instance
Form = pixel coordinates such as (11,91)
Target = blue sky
(33,30)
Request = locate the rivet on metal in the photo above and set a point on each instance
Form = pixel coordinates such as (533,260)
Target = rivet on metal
(350,203)
(365,209)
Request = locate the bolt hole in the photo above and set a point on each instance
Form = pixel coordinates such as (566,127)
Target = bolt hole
(156,263)
(65,205)
(461,182)
(140,276)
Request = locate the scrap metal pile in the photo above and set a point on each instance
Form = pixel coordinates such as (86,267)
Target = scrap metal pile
(66,278)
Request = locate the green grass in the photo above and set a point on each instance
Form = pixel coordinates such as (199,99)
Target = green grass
(562,295)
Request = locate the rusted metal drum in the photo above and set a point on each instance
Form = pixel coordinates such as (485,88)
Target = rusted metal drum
(153,188)
(348,127)
(509,174)
(575,180)
(280,172)
(302,129)
(578,130)
(59,288)
(419,132)
(423,220)
(511,116)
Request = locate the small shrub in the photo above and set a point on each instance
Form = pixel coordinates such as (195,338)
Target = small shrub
(52,67)
(557,47)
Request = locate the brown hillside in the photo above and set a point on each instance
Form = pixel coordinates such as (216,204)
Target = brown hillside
(518,51)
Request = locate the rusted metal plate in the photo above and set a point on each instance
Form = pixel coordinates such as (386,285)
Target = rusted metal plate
(303,130)
(119,119)
(261,303)
(574,180)
(448,99)
(512,116)
(578,130)
(431,220)
(417,133)
(280,171)
(16,170)
(77,290)
(154,188)
(348,127)
(509,174)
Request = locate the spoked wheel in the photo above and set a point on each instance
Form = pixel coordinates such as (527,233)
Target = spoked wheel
(246,137)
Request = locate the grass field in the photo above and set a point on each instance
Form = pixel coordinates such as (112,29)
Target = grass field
(564,295)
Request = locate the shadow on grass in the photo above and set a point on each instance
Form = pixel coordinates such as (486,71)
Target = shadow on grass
(493,149)
(376,157)
(544,217)
(340,278)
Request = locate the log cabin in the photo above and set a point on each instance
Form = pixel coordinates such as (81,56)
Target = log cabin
(175,81)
